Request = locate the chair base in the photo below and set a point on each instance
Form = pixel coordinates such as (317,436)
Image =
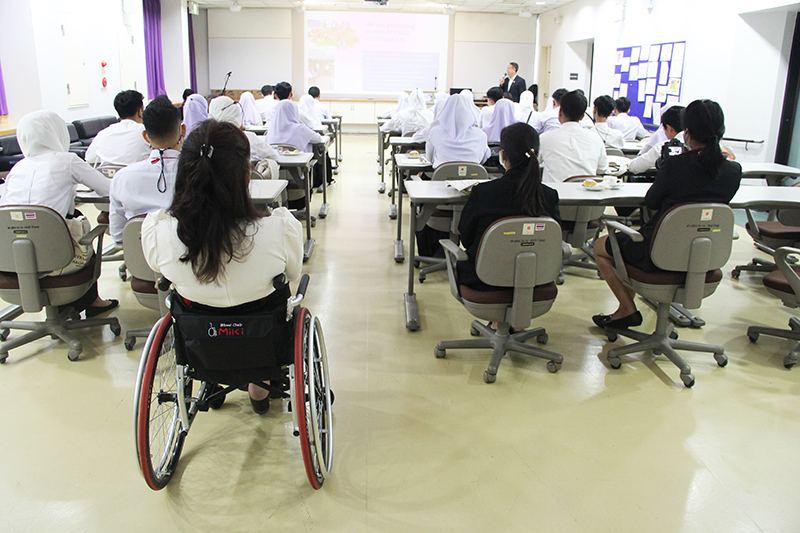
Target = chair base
(792,334)
(436,264)
(55,325)
(662,341)
(501,343)
(132,334)
(756,265)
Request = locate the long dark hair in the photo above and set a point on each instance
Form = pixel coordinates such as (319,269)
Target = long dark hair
(520,142)
(212,202)
(705,123)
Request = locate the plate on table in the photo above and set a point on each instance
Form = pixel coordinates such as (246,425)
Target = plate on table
(289,152)
(592,185)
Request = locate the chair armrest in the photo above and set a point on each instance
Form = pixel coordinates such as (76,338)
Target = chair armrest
(453,249)
(616,253)
(781,259)
(87,239)
(630,232)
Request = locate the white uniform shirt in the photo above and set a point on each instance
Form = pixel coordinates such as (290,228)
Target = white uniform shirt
(611,137)
(647,160)
(259,149)
(486,116)
(277,247)
(631,127)
(135,190)
(322,110)
(548,121)
(119,144)
(50,180)
(571,151)
(264,105)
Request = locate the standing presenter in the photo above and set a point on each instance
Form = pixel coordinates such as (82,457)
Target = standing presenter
(512,83)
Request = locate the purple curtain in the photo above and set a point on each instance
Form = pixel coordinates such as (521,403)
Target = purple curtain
(192,61)
(3,105)
(152,48)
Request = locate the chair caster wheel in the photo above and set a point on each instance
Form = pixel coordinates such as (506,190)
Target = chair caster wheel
(439,353)
(130,342)
(615,363)
(489,378)
(542,339)
(721,359)
(612,337)
(560,280)
(788,362)
(216,403)
(4,334)
(656,352)
(3,358)
(116,329)
(553,367)
(735,274)
(422,278)
(73,355)
(673,335)
(688,380)
(753,337)
(474,332)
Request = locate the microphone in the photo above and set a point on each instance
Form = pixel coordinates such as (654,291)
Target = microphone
(227,77)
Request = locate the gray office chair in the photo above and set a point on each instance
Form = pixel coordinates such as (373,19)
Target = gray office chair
(445,218)
(143,279)
(35,241)
(690,244)
(580,226)
(768,236)
(784,283)
(523,254)
(614,151)
(112,252)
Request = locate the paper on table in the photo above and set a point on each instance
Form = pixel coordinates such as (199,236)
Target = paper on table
(626,64)
(634,73)
(678,51)
(623,90)
(463,185)
(663,74)
(635,54)
(661,94)
(617,80)
(666,52)
(648,107)
(654,52)
(651,86)
(652,69)
(674,86)
(676,70)
(640,96)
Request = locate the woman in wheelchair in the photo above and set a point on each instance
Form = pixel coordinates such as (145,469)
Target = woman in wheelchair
(700,175)
(519,192)
(211,243)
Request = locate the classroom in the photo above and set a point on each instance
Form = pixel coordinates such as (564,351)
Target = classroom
(422,443)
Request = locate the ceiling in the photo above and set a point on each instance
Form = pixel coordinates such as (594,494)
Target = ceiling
(511,7)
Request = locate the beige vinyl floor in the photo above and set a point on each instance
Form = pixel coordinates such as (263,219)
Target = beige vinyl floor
(422,444)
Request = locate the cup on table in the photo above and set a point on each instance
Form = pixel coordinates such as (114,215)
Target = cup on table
(612,182)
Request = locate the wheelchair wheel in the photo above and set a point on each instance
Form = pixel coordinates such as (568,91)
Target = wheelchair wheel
(157,415)
(313,398)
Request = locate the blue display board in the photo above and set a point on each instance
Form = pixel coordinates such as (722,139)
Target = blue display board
(651,76)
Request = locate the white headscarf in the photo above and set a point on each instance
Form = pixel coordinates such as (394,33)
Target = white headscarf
(286,128)
(402,102)
(224,109)
(452,135)
(195,111)
(502,116)
(308,112)
(42,132)
(250,114)
(441,98)
(413,118)
(525,105)
(467,95)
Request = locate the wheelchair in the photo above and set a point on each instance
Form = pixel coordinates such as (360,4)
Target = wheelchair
(195,355)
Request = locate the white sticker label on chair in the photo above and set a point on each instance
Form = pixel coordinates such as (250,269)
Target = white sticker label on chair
(462,171)
(707,215)
(16,215)
(528,229)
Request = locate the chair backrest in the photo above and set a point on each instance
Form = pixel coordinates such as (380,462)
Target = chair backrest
(73,133)
(614,151)
(460,171)
(9,145)
(693,238)
(132,248)
(789,217)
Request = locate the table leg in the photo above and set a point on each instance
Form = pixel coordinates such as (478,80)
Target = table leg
(308,246)
(323,210)
(412,311)
(339,137)
(382,184)
(399,255)
(393,190)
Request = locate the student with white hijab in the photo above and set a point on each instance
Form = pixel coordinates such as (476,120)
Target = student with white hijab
(402,102)
(48,176)
(526,112)
(422,135)
(467,95)
(250,114)
(195,111)
(224,109)
(452,136)
(503,115)
(287,129)
(413,118)
(308,112)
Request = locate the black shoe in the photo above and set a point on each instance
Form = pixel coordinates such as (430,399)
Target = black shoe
(601,320)
(630,321)
(260,406)
(93,311)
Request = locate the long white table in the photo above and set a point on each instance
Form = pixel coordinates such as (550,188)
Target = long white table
(299,166)
(404,164)
(772,172)
(396,143)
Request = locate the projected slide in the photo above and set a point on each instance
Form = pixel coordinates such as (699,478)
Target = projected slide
(375,52)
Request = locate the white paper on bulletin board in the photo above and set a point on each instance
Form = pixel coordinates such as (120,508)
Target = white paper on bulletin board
(661,94)
(640,96)
(676,70)
(656,113)
(634,72)
(635,54)
(652,69)
(654,52)
(666,52)
(678,51)
(626,64)
(617,80)
(663,73)
(672,100)
(645,53)
(648,107)
(620,56)
(650,86)
(623,90)
(674,86)
(616,94)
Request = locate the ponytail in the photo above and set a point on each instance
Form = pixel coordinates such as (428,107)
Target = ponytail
(705,123)
(520,142)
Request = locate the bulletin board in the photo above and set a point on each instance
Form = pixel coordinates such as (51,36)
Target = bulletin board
(651,76)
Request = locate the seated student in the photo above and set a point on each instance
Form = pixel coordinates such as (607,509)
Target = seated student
(422,135)
(413,118)
(526,112)
(631,127)
(548,120)
(603,107)
(518,192)
(467,95)
(147,185)
(308,112)
(402,102)
(453,138)
(122,143)
(493,95)
(195,111)
(504,115)
(186,94)
(287,128)
(224,109)
(283,91)
(322,111)
(266,104)
(48,176)
(701,175)
(250,114)
(534,89)
(571,150)
(211,242)
(672,125)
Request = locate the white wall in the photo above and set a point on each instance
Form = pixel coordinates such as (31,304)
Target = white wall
(738,60)
(17,54)
(200,27)
(175,47)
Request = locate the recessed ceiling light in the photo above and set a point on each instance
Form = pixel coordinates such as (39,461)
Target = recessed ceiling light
(236,7)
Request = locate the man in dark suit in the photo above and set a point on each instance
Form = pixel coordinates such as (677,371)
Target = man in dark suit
(512,83)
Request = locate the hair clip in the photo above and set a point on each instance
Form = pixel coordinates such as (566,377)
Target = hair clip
(203,149)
